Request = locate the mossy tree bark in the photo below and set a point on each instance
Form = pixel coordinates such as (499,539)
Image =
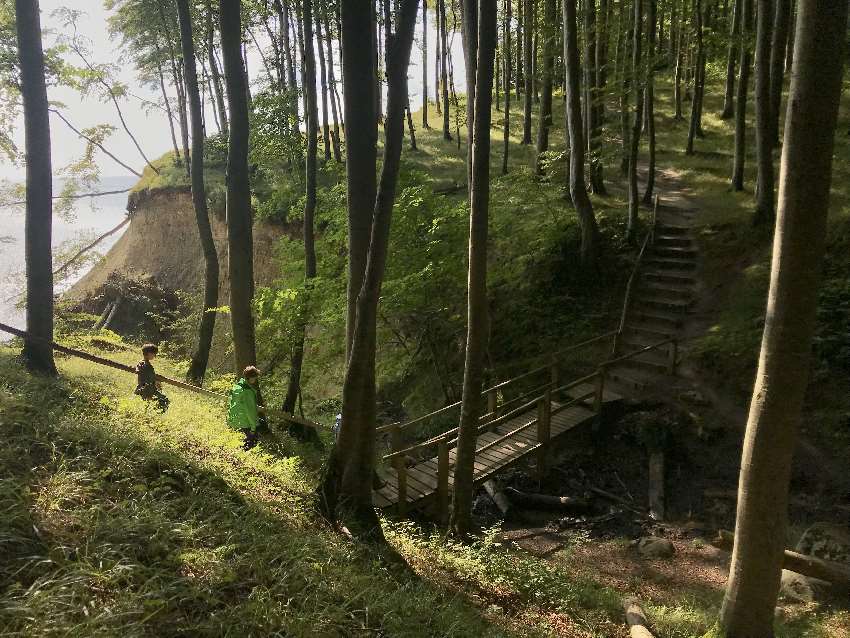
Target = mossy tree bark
(575,132)
(240,237)
(480,37)
(346,487)
(798,247)
(38,224)
(200,358)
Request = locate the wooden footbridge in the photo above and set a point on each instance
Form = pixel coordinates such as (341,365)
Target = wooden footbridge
(526,413)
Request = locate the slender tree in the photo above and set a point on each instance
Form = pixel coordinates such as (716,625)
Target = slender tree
(444,82)
(480,35)
(731,59)
(575,133)
(323,80)
(332,82)
(780,386)
(38,224)
(741,96)
(764,213)
(695,128)
(198,366)
(637,119)
(425,123)
(240,237)
(528,76)
(649,97)
(548,27)
(779,41)
(312,116)
(506,76)
(346,488)
(593,114)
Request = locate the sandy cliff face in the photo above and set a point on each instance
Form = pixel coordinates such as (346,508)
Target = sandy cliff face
(162,242)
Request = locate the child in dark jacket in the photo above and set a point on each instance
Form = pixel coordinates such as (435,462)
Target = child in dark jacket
(147,386)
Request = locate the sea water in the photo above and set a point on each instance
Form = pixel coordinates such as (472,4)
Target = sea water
(91,217)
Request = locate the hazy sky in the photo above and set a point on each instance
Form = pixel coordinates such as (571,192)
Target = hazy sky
(149,125)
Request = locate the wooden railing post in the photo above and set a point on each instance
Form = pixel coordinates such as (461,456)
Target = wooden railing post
(600,393)
(493,403)
(544,417)
(400,467)
(443,482)
(672,356)
(554,373)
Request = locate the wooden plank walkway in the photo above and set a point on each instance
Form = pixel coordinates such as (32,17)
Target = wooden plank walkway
(421,478)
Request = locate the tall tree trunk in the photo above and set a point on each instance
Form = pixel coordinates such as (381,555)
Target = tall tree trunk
(480,28)
(623,40)
(694,130)
(312,117)
(601,55)
(168,111)
(179,86)
(789,49)
(575,134)
(444,81)
(198,366)
(594,130)
(649,97)
(741,96)
(777,62)
(798,247)
(332,83)
(764,213)
(347,484)
(38,225)
(425,123)
(549,22)
(520,57)
(731,59)
(527,72)
(637,94)
(240,238)
(677,81)
(507,61)
(437,58)
(323,79)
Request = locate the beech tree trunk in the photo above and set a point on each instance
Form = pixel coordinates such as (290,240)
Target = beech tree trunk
(764,213)
(169,113)
(623,40)
(695,128)
(741,97)
(594,102)
(346,487)
(444,80)
(637,94)
(778,43)
(731,59)
(198,366)
(323,79)
(480,35)
(575,132)
(528,27)
(332,85)
(240,238)
(38,224)
(550,18)
(798,247)
(425,123)
(677,80)
(649,97)
(507,61)
(293,388)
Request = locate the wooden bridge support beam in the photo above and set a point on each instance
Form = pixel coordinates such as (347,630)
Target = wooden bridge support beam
(544,420)
(443,482)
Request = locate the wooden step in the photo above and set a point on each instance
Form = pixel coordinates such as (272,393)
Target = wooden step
(674,251)
(668,228)
(666,289)
(673,240)
(662,303)
(668,276)
(642,362)
(655,332)
(671,263)
(643,315)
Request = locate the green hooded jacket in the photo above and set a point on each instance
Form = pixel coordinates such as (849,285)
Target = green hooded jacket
(242,411)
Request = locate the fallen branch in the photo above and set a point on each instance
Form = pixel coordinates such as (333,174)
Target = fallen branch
(78,196)
(87,248)
(498,496)
(545,501)
(94,142)
(619,499)
(636,619)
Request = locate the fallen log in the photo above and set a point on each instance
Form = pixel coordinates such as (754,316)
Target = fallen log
(545,501)
(619,499)
(498,496)
(836,573)
(636,619)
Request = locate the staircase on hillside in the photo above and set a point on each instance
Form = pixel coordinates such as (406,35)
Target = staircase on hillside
(662,292)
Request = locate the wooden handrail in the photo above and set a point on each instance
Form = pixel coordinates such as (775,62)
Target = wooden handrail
(572,402)
(631,355)
(572,384)
(556,353)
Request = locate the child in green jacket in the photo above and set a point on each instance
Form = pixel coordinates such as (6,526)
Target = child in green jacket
(244,410)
